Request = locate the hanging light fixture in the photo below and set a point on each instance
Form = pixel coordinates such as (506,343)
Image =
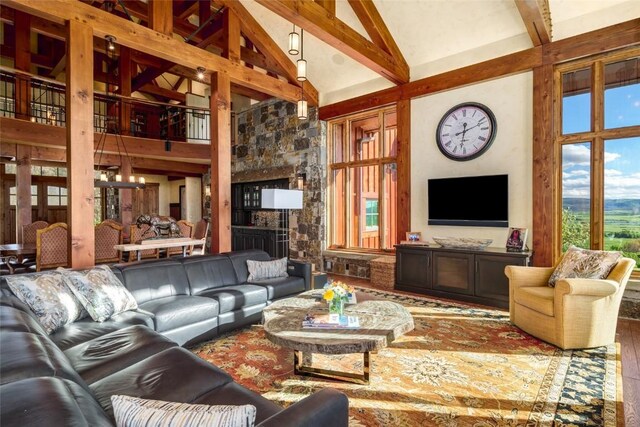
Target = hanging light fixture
(303,109)
(294,41)
(302,63)
(200,73)
(111,124)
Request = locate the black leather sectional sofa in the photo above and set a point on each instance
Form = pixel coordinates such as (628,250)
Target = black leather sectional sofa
(68,377)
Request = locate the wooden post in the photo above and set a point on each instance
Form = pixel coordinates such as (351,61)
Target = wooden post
(23,189)
(403,202)
(232,34)
(161,16)
(79,105)
(545,179)
(126,198)
(125,128)
(220,163)
(22,45)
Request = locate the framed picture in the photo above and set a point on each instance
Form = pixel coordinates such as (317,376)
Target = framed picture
(414,236)
(517,240)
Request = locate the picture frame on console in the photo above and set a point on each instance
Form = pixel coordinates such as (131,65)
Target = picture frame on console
(517,239)
(414,236)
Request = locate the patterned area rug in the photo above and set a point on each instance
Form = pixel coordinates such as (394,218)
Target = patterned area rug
(460,366)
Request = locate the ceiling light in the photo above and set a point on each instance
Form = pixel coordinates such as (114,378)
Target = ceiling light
(110,42)
(301,64)
(200,73)
(294,42)
(303,108)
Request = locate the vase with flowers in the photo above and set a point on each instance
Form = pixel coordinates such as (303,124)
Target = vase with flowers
(337,294)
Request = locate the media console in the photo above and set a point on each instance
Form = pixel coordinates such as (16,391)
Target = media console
(463,274)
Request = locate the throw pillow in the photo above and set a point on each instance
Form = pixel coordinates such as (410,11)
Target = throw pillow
(584,264)
(259,270)
(100,292)
(135,412)
(48,297)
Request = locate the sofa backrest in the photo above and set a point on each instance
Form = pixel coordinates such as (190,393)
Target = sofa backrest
(239,261)
(206,272)
(149,280)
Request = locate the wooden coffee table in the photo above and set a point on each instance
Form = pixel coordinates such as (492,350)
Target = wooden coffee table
(381,322)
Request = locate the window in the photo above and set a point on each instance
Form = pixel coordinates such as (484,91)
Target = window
(362,179)
(600,146)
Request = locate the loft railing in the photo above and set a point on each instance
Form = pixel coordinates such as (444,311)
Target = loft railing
(146,119)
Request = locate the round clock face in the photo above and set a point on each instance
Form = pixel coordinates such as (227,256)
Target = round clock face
(466,131)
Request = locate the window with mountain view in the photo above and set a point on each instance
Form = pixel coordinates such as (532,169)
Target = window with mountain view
(600,147)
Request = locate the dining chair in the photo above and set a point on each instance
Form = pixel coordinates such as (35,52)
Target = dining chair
(51,246)
(135,235)
(108,234)
(200,233)
(186,230)
(29,237)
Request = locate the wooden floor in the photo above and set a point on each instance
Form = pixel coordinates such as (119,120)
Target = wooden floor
(628,335)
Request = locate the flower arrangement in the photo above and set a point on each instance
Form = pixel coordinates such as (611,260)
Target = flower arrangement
(337,294)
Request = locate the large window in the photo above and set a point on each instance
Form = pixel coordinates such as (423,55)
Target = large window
(362,162)
(600,153)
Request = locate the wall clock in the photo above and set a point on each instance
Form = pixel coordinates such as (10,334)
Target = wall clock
(466,131)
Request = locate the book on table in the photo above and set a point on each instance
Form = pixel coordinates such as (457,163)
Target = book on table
(330,321)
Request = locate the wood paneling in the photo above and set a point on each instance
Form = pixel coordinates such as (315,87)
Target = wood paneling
(79,106)
(403,202)
(220,163)
(628,335)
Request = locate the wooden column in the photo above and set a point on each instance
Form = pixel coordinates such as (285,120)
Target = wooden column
(403,202)
(79,105)
(125,127)
(161,16)
(220,163)
(232,35)
(23,189)
(22,45)
(546,181)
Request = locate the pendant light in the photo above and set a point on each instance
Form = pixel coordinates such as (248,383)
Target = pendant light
(294,41)
(302,63)
(303,109)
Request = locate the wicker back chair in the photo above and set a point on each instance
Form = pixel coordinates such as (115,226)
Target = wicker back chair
(186,230)
(200,233)
(51,246)
(29,231)
(135,235)
(108,234)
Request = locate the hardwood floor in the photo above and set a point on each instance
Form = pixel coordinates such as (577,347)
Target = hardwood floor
(627,334)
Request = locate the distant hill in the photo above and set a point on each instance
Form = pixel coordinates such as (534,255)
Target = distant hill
(632,206)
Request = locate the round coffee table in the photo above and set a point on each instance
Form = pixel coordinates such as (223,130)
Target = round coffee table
(381,322)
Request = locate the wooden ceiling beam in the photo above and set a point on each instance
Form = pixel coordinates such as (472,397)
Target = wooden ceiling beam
(265,44)
(328,5)
(157,44)
(37,59)
(313,18)
(165,93)
(149,74)
(161,16)
(375,26)
(537,19)
(186,9)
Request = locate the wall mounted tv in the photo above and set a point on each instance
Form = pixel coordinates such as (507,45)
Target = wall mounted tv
(476,201)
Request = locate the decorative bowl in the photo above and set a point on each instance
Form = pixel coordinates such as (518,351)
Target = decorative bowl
(462,242)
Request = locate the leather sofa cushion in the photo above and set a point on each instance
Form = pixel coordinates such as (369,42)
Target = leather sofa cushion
(150,280)
(280,287)
(174,375)
(25,355)
(234,394)
(48,401)
(176,311)
(239,261)
(538,298)
(13,319)
(86,329)
(205,272)
(110,353)
(234,297)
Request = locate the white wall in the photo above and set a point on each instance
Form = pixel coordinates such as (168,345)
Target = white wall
(510,99)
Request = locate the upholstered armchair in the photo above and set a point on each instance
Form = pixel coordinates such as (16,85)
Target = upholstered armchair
(186,230)
(51,246)
(200,233)
(29,231)
(135,235)
(576,313)
(108,234)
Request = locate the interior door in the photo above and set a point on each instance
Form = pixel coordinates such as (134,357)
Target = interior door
(145,200)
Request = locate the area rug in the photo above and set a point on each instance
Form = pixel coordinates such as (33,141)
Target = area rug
(462,365)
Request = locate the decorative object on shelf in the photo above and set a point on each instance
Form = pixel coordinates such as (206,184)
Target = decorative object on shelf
(161,226)
(414,236)
(337,294)
(112,126)
(466,131)
(462,242)
(283,200)
(517,240)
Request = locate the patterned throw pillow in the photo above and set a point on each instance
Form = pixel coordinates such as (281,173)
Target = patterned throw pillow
(584,264)
(135,412)
(48,297)
(259,270)
(100,292)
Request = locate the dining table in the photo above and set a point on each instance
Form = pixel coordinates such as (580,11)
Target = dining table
(12,255)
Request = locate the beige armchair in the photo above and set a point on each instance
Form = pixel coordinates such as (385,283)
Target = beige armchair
(577,313)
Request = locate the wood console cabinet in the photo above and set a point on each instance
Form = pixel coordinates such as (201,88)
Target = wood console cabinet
(462,274)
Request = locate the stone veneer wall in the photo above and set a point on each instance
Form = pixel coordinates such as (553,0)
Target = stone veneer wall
(272,144)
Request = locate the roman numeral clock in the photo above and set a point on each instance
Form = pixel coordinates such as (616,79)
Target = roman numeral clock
(466,131)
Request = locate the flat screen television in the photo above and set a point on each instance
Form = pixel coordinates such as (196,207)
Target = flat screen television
(475,201)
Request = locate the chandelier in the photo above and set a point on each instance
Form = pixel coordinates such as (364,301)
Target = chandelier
(111,126)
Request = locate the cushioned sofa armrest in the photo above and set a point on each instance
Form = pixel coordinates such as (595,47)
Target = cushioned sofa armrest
(520,276)
(586,287)
(327,407)
(300,269)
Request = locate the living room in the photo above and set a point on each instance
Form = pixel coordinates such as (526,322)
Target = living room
(523,68)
